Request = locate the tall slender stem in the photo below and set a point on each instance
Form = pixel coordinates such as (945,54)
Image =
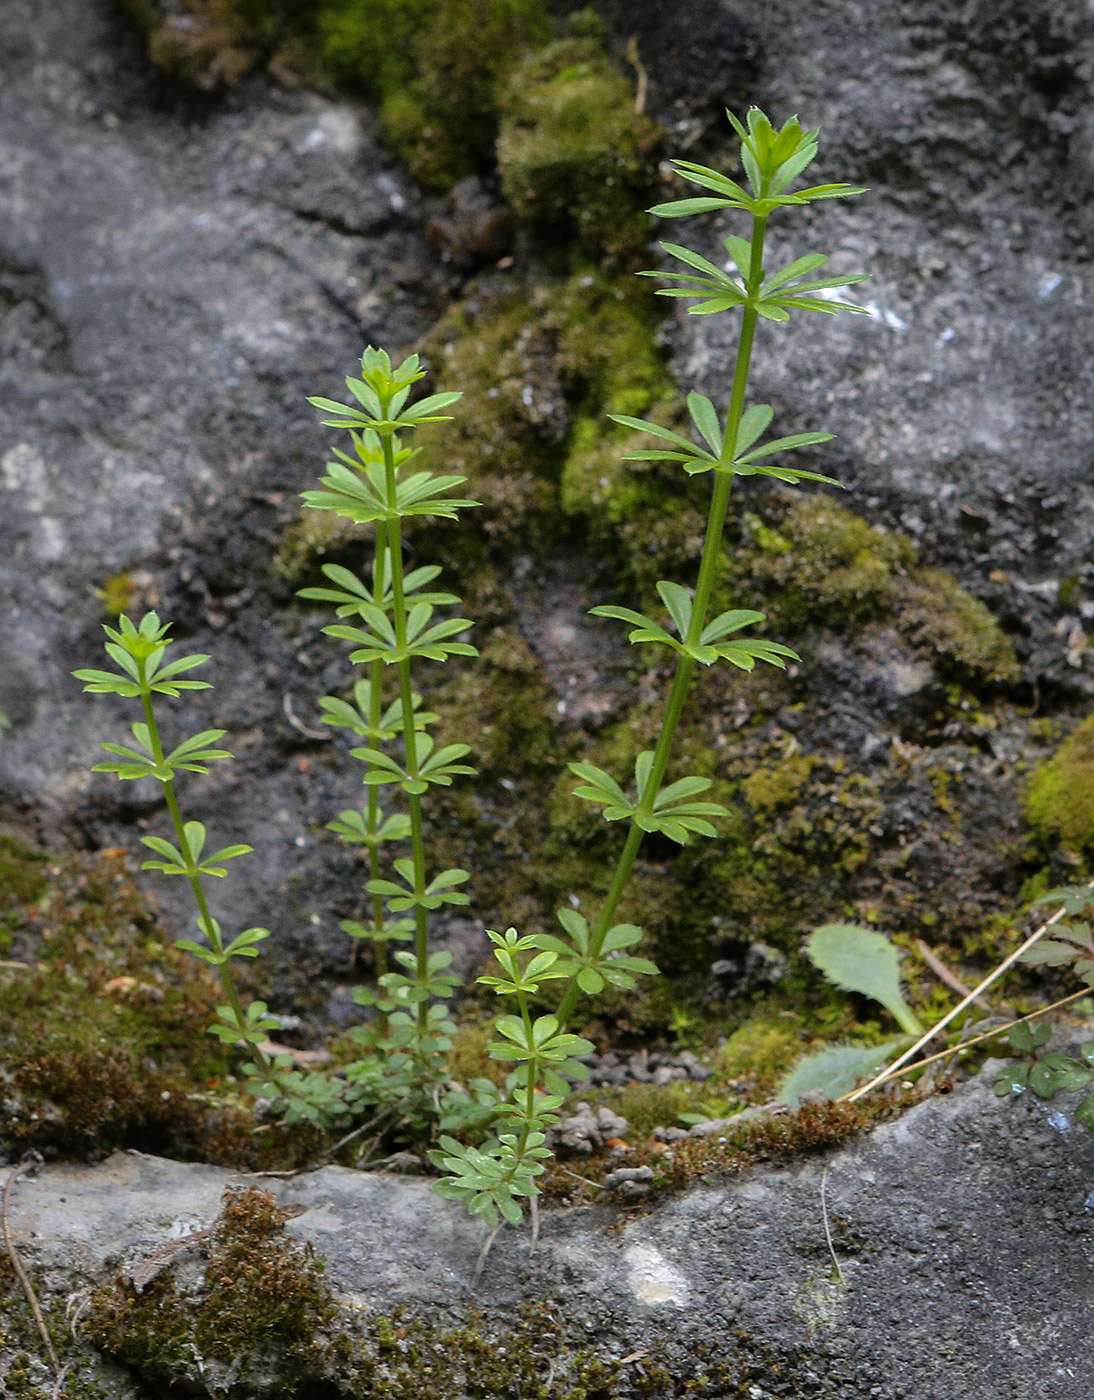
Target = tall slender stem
(208,927)
(410,734)
(375,713)
(685,665)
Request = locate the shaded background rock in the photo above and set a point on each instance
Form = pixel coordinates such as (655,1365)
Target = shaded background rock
(178,272)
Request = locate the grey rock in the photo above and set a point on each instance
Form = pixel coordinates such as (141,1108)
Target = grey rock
(962,1230)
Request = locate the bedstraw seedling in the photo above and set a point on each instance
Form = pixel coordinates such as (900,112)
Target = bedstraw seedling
(493,1177)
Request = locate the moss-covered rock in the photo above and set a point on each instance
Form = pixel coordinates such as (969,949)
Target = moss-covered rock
(576,158)
(208,44)
(821,563)
(103,1025)
(435,67)
(947,622)
(824,562)
(1060,797)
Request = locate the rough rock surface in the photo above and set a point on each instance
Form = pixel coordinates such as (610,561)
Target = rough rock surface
(174,278)
(963,404)
(963,1233)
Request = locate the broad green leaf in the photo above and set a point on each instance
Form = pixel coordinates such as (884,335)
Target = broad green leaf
(836,1071)
(863,960)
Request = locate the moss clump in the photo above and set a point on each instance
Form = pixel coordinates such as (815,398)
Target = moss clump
(507,437)
(1060,797)
(825,563)
(576,158)
(260,1298)
(435,67)
(946,620)
(208,44)
(102,1026)
(261,1320)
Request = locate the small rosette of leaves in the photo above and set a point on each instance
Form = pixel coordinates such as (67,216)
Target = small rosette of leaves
(491,1180)
(717,290)
(252,1028)
(350,592)
(339,714)
(352,825)
(522,978)
(139,652)
(378,640)
(673,811)
(193,755)
(772,161)
(711,645)
(593,970)
(188,861)
(440,890)
(738,457)
(356,488)
(543,1049)
(214,951)
(390,931)
(434,765)
(382,393)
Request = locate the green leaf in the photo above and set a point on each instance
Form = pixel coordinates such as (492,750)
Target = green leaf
(836,1071)
(1012,1079)
(863,960)
(706,420)
(1026,1037)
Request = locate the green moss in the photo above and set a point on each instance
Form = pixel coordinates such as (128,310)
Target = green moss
(576,158)
(956,628)
(117,594)
(507,436)
(261,1298)
(762,1050)
(824,563)
(770,788)
(264,1307)
(435,67)
(102,1025)
(1060,798)
(208,44)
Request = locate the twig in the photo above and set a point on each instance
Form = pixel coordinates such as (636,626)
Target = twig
(827,1227)
(480,1263)
(929,1035)
(30,1163)
(534,1212)
(941,971)
(985,1035)
(359,1132)
(319,736)
(643,78)
(594,1184)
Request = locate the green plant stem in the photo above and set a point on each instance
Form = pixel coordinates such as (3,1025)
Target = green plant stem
(685,665)
(227,981)
(410,734)
(375,713)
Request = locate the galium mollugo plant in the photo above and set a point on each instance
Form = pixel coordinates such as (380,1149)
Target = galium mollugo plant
(493,1177)
(390,621)
(143,673)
